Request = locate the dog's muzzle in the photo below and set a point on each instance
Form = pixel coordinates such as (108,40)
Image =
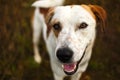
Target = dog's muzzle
(65,55)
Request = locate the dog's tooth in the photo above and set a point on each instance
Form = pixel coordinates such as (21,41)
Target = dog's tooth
(62,66)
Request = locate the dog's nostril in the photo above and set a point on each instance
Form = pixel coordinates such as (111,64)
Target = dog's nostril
(64,54)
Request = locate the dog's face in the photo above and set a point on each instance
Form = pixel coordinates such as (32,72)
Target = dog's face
(74,28)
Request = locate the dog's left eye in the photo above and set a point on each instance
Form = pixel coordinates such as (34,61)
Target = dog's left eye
(83,25)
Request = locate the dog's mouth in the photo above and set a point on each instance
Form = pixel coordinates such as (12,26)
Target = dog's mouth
(71,68)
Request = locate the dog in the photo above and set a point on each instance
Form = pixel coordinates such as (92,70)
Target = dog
(69,33)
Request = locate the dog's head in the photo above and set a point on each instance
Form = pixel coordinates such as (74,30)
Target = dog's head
(74,28)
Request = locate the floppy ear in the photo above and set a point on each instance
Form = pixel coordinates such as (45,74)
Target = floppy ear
(100,15)
(48,20)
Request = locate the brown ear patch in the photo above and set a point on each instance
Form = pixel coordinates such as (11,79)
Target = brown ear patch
(44,11)
(100,15)
(48,19)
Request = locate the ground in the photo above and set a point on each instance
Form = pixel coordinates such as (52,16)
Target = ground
(16,48)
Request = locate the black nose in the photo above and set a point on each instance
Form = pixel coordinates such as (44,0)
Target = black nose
(64,54)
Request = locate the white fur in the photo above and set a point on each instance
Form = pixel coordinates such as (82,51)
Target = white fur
(47,3)
(70,35)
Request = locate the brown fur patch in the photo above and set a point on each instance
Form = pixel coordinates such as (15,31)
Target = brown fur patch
(48,20)
(56,32)
(44,11)
(51,24)
(98,13)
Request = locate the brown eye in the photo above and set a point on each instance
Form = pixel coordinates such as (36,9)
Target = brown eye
(57,26)
(83,25)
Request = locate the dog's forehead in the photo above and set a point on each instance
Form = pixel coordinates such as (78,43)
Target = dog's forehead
(72,8)
(73,12)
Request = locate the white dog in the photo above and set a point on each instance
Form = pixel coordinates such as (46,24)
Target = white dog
(69,37)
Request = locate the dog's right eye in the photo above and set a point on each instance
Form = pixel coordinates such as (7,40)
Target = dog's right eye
(83,25)
(57,26)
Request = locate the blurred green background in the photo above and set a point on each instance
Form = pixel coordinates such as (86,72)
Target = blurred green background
(16,49)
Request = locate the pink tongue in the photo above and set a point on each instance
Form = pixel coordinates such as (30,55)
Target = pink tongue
(69,67)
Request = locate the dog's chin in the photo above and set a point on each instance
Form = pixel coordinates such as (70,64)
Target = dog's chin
(70,68)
